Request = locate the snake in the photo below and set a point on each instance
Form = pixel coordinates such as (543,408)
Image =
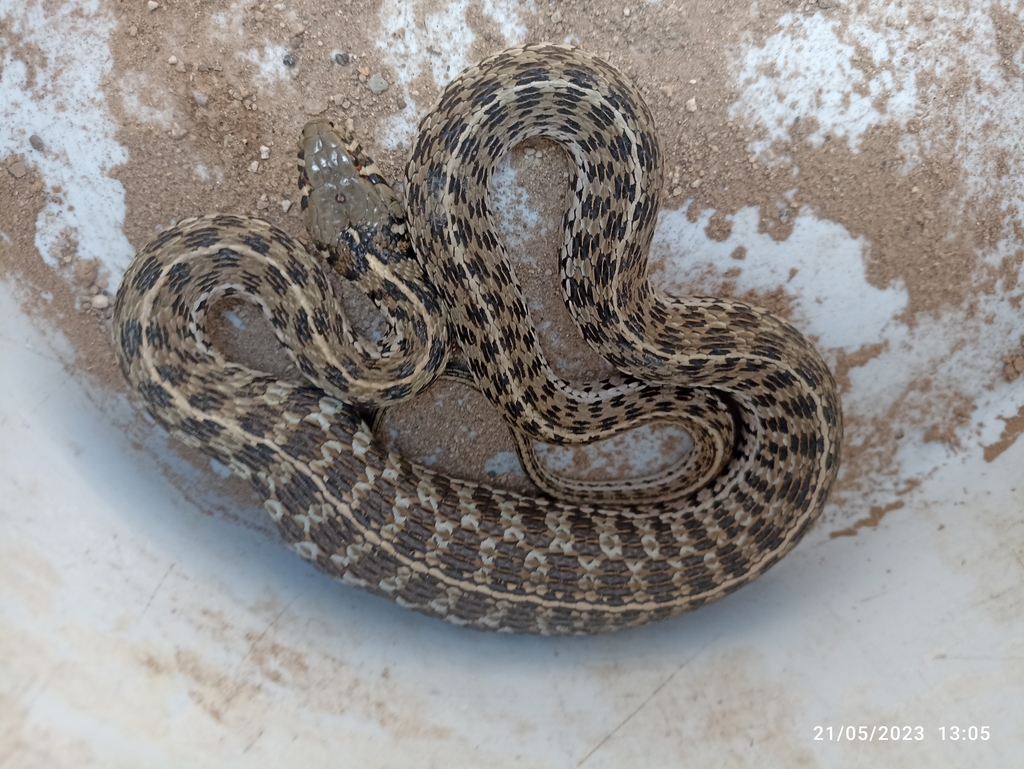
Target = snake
(569,559)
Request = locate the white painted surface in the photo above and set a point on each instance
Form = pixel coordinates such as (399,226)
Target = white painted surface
(142,628)
(73,114)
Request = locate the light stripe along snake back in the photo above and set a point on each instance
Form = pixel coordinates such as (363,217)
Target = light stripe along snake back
(755,394)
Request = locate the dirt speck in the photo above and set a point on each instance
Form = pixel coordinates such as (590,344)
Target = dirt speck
(874,517)
(1013,427)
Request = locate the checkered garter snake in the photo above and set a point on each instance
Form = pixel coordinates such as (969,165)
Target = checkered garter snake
(756,395)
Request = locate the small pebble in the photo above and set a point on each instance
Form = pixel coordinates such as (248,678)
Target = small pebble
(201,98)
(17,169)
(100,302)
(695,183)
(377,84)
(258,16)
(177,132)
(36,142)
(625,12)
(556,17)
(37,186)
(152,5)
(86,271)
(285,205)
(133,31)
(929,14)
(290,60)
(341,58)
(264,152)
(172,60)
(296,28)
(315,107)
(254,166)
(691,104)
(677,191)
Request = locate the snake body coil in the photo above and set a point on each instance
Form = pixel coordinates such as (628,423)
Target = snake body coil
(755,394)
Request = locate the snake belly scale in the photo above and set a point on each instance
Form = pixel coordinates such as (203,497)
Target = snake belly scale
(466,552)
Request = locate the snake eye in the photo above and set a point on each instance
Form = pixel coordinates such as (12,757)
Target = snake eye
(340,197)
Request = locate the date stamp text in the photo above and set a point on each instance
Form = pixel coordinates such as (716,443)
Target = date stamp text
(900,733)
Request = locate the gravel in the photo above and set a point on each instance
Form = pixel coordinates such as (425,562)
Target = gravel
(377,84)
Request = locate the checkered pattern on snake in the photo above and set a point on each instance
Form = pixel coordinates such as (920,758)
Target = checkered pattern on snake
(737,376)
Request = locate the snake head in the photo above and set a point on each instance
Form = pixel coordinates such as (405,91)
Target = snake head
(341,186)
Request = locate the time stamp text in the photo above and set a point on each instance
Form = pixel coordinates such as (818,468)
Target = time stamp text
(900,733)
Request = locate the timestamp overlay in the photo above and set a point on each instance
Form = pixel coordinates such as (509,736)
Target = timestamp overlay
(900,733)
(898,742)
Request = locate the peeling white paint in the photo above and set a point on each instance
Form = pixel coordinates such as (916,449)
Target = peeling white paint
(416,40)
(64,104)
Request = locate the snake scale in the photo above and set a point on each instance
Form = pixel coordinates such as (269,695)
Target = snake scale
(754,392)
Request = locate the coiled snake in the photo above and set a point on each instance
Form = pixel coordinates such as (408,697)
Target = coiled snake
(754,393)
